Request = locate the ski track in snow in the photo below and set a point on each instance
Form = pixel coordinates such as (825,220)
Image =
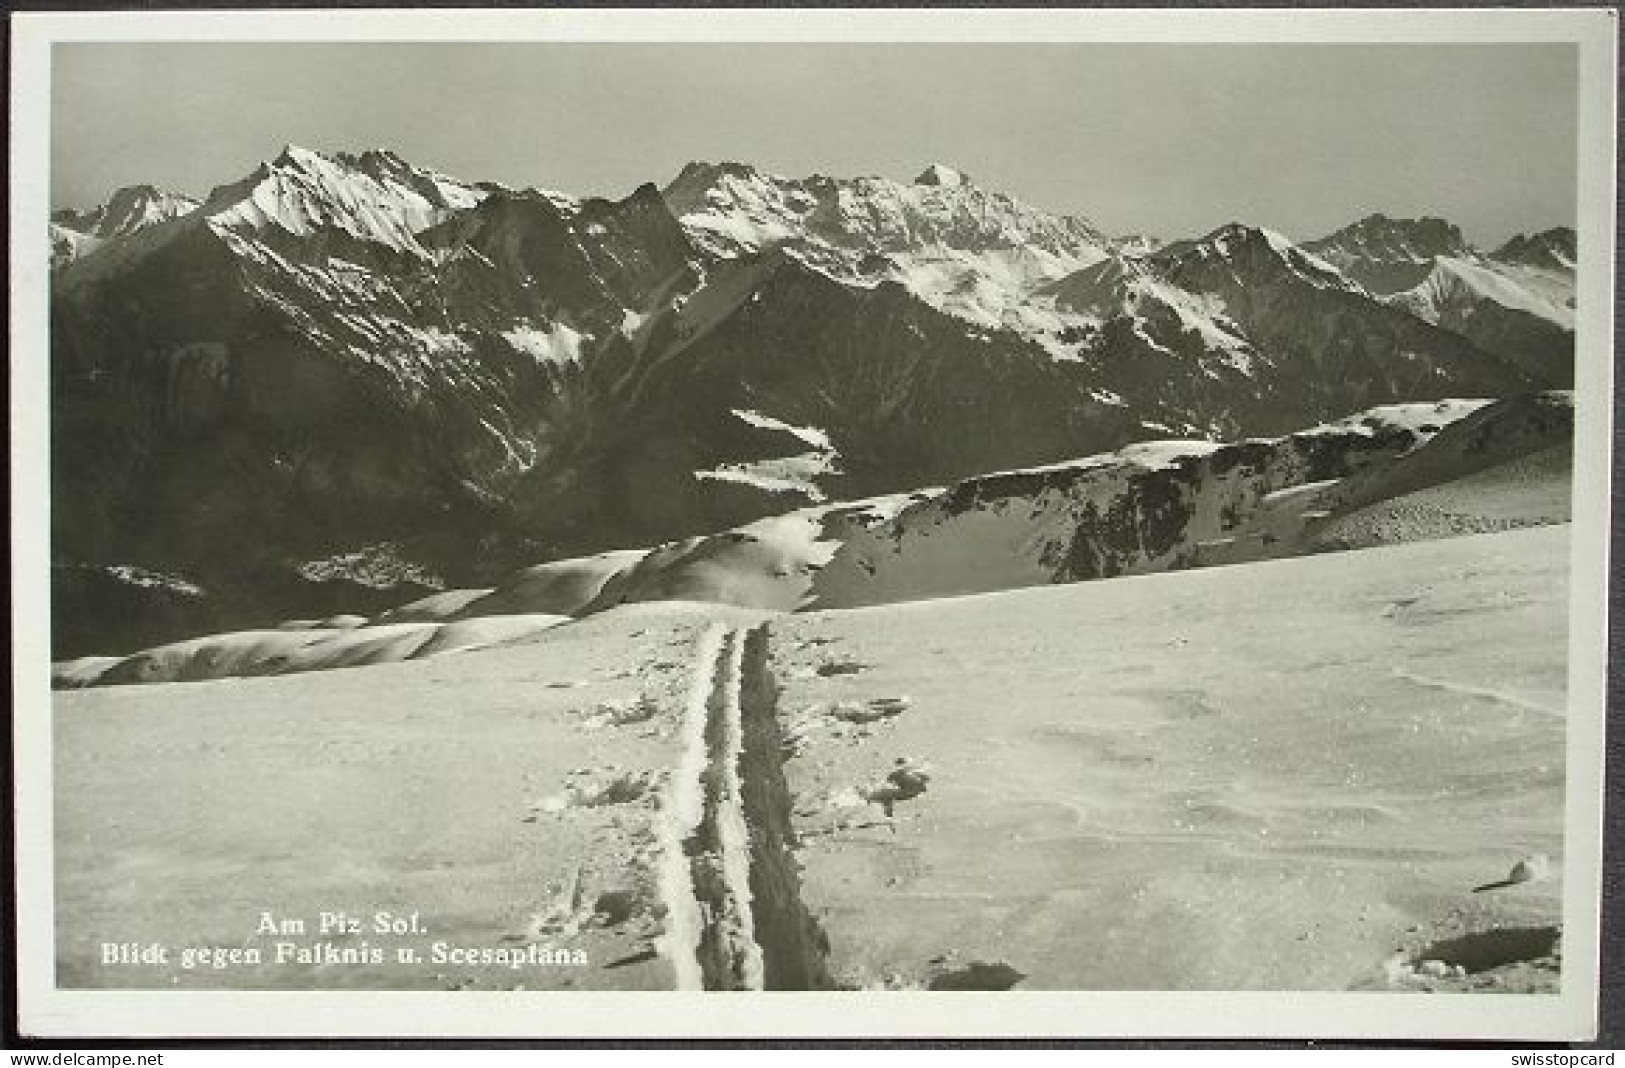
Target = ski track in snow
(718,835)
(684,809)
(711,937)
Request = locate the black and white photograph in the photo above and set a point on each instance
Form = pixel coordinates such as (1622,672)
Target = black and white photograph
(990,523)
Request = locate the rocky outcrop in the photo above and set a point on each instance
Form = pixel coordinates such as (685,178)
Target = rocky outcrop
(1388,256)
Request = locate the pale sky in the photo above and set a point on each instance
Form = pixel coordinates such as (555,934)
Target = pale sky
(1167,139)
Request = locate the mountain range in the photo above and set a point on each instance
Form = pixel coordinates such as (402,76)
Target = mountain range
(345,379)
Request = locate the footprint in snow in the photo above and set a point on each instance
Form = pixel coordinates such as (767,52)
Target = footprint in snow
(872,711)
(904,782)
(839,667)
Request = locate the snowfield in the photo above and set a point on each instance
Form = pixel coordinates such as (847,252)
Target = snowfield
(683,767)
(508,798)
(1198,780)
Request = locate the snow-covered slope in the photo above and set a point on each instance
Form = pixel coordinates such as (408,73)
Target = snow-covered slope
(1523,312)
(1457,284)
(128,210)
(361,206)
(1132,289)
(478,857)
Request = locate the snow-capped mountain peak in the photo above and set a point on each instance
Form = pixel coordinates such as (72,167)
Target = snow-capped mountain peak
(75,234)
(374,197)
(1248,252)
(293,155)
(385,165)
(1378,237)
(1550,249)
(1388,255)
(705,172)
